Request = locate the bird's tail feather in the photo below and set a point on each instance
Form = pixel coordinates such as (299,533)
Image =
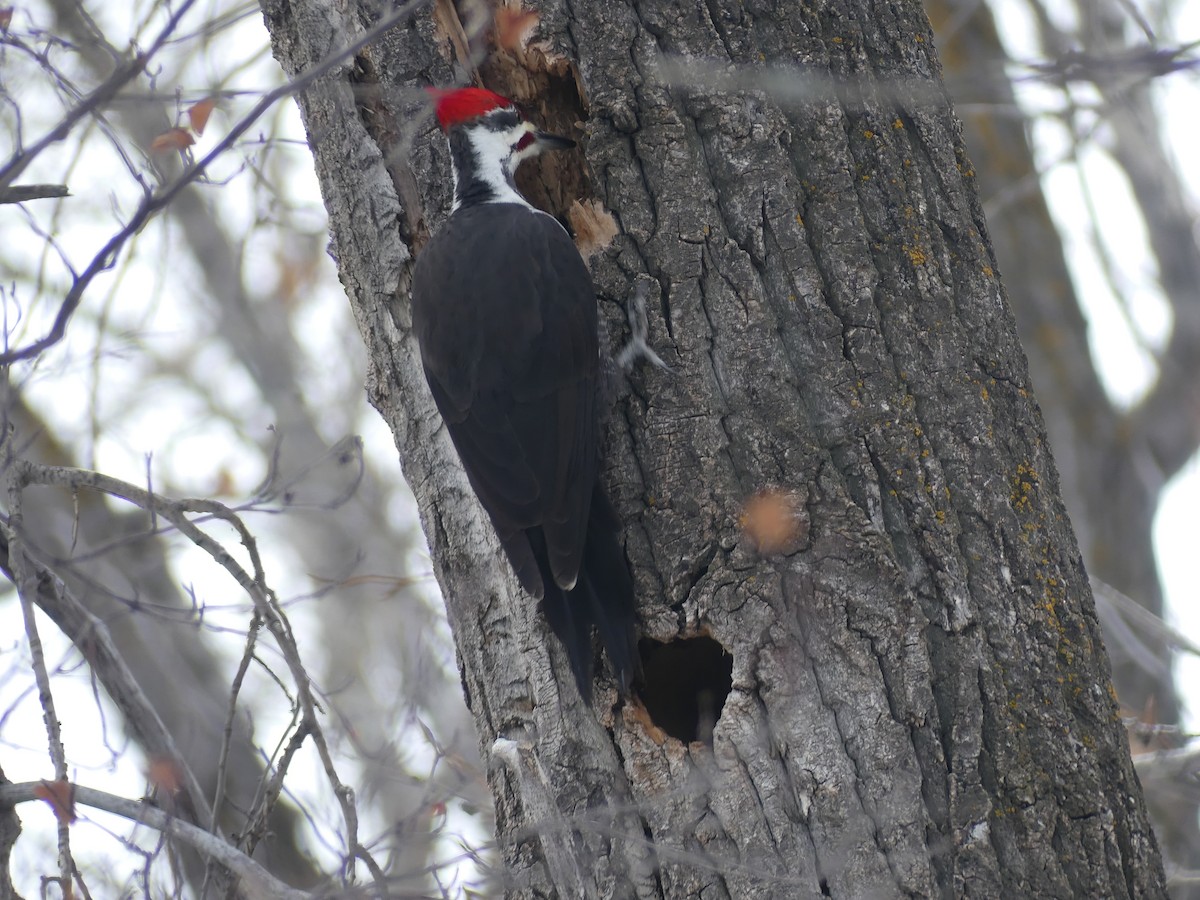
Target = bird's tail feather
(602,598)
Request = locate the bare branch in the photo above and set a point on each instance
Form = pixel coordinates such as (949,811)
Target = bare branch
(227,734)
(19,193)
(256,882)
(1181,877)
(89,634)
(96,100)
(1125,605)
(156,201)
(267,606)
(16,478)
(1175,770)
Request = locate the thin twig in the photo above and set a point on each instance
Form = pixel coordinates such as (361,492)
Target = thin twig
(270,793)
(97,99)
(227,734)
(255,881)
(1177,768)
(93,639)
(156,201)
(266,604)
(1182,877)
(26,589)
(21,193)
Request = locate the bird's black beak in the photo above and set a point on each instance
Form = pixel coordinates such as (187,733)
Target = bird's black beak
(547,141)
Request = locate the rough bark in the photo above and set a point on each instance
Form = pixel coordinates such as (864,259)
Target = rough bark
(10,830)
(920,701)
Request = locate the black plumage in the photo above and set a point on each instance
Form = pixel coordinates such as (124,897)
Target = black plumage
(505,313)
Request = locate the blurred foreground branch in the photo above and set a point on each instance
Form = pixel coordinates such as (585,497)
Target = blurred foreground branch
(254,880)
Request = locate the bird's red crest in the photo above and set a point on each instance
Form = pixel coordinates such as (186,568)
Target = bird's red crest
(460,105)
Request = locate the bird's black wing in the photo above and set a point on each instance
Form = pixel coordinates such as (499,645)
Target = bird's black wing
(505,313)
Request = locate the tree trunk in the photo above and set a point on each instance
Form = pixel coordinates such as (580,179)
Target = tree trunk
(919,703)
(1110,483)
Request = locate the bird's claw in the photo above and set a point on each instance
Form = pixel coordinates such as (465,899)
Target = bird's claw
(636,348)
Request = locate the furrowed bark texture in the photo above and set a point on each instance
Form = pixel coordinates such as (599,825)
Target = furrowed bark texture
(920,702)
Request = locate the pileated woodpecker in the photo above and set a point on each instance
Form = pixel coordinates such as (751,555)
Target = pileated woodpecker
(505,313)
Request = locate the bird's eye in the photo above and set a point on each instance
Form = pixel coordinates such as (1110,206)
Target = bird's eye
(526,139)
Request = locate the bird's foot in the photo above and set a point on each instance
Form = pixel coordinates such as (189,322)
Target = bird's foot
(637,348)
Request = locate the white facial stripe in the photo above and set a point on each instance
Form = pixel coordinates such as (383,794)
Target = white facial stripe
(496,159)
